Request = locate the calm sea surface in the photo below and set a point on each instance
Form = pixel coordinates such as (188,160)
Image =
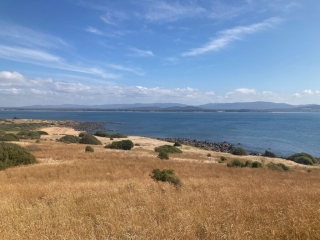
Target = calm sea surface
(283,133)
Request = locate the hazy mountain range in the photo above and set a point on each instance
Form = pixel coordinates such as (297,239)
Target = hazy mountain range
(238,106)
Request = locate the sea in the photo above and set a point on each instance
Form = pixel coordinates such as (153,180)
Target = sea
(281,133)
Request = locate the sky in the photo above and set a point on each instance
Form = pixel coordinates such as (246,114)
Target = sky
(95,52)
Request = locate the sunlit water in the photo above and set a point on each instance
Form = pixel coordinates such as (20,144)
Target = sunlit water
(282,133)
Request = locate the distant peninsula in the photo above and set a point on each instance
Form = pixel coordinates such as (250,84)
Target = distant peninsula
(259,106)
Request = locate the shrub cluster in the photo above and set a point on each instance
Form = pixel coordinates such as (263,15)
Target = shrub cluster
(303,158)
(85,139)
(166,175)
(177,144)
(14,155)
(269,154)
(250,164)
(89,139)
(168,149)
(9,137)
(278,166)
(89,149)
(69,139)
(163,155)
(29,134)
(240,152)
(124,145)
(110,135)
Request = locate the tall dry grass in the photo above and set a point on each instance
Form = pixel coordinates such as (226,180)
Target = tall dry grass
(108,194)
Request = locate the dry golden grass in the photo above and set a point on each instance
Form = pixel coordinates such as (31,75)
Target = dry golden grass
(109,194)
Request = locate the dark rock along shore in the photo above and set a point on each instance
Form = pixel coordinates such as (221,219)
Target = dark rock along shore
(213,146)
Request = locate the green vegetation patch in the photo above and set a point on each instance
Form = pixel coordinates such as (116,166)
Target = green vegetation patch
(168,149)
(9,137)
(278,166)
(249,164)
(13,155)
(89,149)
(303,158)
(163,155)
(269,154)
(110,135)
(240,152)
(69,139)
(29,134)
(90,139)
(166,175)
(124,145)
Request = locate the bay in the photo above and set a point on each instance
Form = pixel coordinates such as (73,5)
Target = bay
(282,133)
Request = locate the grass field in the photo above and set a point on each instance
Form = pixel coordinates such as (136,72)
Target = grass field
(109,194)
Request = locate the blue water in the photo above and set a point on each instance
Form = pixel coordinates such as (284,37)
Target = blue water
(282,133)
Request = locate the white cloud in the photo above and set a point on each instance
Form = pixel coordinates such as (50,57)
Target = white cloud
(94,31)
(163,11)
(18,53)
(15,79)
(27,37)
(113,17)
(126,69)
(230,35)
(308,92)
(142,53)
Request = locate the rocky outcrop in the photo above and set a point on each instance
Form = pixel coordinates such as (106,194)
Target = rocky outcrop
(214,146)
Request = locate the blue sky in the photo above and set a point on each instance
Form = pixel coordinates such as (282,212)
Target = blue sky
(191,51)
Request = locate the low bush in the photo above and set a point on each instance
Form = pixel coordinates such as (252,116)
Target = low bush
(42,133)
(223,158)
(124,145)
(29,134)
(240,152)
(110,135)
(303,158)
(168,149)
(163,155)
(13,155)
(82,134)
(176,144)
(69,139)
(166,175)
(9,137)
(89,139)
(269,154)
(257,164)
(89,149)
(248,164)
(235,163)
(209,155)
(278,166)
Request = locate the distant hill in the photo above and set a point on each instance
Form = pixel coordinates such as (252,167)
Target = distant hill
(246,105)
(162,107)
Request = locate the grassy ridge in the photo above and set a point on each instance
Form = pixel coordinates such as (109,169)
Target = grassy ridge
(110,195)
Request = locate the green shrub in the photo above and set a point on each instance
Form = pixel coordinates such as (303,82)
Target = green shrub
(209,155)
(89,149)
(303,158)
(82,134)
(257,164)
(223,158)
(89,139)
(9,137)
(137,144)
(42,133)
(269,154)
(69,139)
(124,145)
(168,149)
(2,132)
(110,135)
(13,155)
(176,144)
(29,134)
(235,163)
(248,164)
(278,166)
(166,175)
(240,152)
(163,155)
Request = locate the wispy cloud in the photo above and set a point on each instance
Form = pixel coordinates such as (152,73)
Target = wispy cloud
(112,18)
(230,35)
(126,69)
(167,12)
(141,53)
(15,79)
(27,37)
(94,31)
